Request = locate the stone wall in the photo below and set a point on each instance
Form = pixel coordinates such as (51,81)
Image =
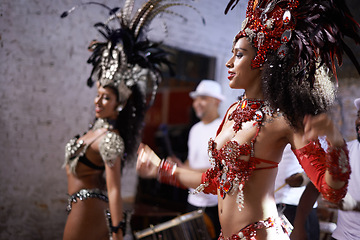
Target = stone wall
(44,100)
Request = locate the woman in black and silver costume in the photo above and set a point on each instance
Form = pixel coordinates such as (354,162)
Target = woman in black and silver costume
(125,69)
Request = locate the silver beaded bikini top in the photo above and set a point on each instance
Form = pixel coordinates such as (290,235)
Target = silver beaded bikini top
(111,146)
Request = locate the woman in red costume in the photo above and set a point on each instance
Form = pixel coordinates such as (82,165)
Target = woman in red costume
(281,57)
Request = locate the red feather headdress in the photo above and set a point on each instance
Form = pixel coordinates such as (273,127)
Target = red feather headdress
(313,30)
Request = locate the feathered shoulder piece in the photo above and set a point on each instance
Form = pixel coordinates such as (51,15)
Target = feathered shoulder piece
(127,56)
(312,30)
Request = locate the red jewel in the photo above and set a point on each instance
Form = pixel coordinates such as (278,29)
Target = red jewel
(227,186)
(222,194)
(255,105)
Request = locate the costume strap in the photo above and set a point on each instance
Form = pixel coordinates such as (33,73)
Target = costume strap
(225,117)
(83,159)
(272,163)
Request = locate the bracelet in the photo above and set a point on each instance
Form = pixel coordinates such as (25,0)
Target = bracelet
(121,225)
(166,173)
(337,162)
(115,229)
(333,195)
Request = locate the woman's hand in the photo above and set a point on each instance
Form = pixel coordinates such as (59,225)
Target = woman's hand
(147,162)
(322,125)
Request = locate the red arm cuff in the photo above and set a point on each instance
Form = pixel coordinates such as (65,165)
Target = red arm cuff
(314,160)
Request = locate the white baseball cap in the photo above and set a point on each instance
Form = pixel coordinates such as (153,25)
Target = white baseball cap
(208,88)
(357,103)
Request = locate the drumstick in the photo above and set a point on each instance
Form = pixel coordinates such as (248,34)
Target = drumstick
(280,187)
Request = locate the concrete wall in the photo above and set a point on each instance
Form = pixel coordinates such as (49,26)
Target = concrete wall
(344,112)
(44,100)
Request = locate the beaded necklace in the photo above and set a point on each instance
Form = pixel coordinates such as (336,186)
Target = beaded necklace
(247,110)
(103,123)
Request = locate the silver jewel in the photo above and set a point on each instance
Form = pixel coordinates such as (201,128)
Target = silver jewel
(244,23)
(258,117)
(260,37)
(269,23)
(287,17)
(282,51)
(285,37)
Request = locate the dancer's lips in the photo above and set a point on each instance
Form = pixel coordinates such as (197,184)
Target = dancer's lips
(231,75)
(98,109)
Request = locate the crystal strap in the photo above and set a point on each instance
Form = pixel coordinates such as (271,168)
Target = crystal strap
(84,194)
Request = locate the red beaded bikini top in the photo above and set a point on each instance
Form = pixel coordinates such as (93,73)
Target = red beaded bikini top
(227,166)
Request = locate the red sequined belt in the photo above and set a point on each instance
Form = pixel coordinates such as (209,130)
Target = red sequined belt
(249,232)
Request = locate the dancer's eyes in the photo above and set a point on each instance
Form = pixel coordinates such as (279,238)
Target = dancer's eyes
(239,55)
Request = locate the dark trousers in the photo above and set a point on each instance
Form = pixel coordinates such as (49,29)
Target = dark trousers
(212,213)
(312,222)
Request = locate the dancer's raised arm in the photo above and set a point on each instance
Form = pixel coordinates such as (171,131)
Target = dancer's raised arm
(149,165)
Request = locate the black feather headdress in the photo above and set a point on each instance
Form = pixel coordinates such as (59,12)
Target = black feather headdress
(127,56)
(127,61)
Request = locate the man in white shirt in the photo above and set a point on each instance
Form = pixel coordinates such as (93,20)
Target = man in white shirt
(206,101)
(348,222)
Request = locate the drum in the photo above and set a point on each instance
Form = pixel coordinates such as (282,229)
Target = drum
(189,226)
(286,223)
